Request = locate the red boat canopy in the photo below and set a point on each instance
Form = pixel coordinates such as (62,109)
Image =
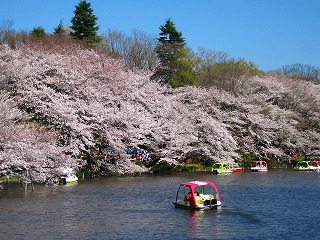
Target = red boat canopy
(192,185)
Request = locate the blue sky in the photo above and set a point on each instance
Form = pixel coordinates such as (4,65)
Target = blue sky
(271,33)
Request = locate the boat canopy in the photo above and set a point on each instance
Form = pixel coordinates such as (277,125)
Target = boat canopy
(259,163)
(195,184)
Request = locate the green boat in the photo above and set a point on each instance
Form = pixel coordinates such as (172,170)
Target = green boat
(221,168)
(306,165)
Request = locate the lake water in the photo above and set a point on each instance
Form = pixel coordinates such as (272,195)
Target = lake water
(279,204)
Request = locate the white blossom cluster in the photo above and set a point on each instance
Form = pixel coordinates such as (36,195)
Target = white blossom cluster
(55,102)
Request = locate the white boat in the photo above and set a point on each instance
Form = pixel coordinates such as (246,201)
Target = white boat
(315,165)
(71,179)
(68,177)
(259,166)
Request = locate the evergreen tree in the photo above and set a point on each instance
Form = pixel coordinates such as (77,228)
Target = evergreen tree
(59,29)
(175,60)
(38,32)
(169,34)
(84,23)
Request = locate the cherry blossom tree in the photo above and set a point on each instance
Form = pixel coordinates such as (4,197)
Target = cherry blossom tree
(57,101)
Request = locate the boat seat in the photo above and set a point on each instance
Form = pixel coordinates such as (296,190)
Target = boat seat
(206,196)
(199,200)
(209,202)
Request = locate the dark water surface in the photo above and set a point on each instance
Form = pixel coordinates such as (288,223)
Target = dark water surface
(279,204)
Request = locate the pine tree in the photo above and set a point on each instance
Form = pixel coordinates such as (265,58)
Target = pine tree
(175,59)
(59,29)
(84,23)
(38,32)
(169,34)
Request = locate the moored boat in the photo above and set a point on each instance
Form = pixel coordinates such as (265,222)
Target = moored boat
(239,169)
(197,195)
(315,165)
(221,168)
(259,166)
(306,165)
(68,177)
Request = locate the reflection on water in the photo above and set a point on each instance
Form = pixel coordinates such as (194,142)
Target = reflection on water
(195,219)
(253,205)
(202,222)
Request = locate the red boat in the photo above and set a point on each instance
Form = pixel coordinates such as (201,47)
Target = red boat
(198,195)
(237,169)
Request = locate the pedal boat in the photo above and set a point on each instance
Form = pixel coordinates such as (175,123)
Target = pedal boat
(221,168)
(238,169)
(68,179)
(259,166)
(198,195)
(305,165)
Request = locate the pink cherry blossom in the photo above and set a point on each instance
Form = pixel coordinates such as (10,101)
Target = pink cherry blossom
(56,100)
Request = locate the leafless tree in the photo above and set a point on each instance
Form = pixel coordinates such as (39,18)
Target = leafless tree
(136,49)
(302,71)
(11,37)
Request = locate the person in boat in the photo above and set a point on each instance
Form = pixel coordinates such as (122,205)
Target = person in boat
(190,196)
